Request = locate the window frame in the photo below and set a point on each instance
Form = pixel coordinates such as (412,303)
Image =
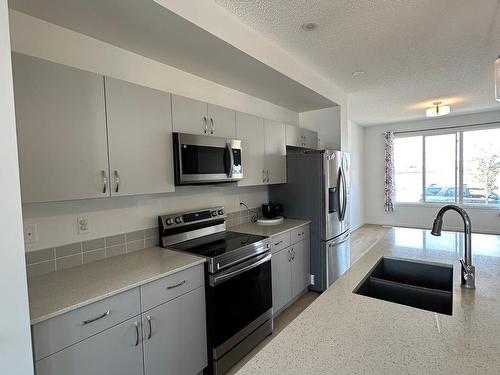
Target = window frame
(459,163)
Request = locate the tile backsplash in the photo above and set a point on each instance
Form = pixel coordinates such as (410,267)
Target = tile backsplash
(43,261)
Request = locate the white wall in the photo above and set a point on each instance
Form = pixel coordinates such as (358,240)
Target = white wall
(56,222)
(483,220)
(356,150)
(327,123)
(15,336)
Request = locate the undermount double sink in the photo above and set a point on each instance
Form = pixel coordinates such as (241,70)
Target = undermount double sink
(423,285)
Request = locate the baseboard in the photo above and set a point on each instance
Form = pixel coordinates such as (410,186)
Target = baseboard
(357,227)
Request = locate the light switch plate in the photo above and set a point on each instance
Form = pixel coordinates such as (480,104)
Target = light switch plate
(30,233)
(83,224)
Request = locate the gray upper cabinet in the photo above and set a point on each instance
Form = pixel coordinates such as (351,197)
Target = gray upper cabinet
(61,131)
(116,351)
(221,121)
(140,139)
(194,117)
(300,137)
(275,150)
(175,336)
(189,115)
(250,129)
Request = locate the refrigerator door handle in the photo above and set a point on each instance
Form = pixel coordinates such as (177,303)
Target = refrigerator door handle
(344,195)
(339,193)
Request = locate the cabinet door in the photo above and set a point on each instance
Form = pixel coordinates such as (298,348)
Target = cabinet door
(116,351)
(177,344)
(189,115)
(310,138)
(300,267)
(139,139)
(282,279)
(61,131)
(221,121)
(250,129)
(275,147)
(294,136)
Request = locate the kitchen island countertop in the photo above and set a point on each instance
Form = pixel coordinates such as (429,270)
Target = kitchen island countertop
(346,333)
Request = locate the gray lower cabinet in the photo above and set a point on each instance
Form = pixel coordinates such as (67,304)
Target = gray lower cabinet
(174,335)
(290,266)
(281,276)
(116,351)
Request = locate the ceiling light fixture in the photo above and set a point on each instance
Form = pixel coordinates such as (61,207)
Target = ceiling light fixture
(437,110)
(497,79)
(358,73)
(309,26)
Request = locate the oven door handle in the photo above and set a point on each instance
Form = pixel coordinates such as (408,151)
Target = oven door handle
(222,278)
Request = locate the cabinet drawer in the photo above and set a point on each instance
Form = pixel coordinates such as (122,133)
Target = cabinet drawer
(280,242)
(163,290)
(62,331)
(299,234)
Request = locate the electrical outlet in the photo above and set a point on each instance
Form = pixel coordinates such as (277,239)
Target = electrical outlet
(311,280)
(30,233)
(83,224)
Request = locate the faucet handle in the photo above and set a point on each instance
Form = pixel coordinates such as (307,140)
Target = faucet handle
(468,275)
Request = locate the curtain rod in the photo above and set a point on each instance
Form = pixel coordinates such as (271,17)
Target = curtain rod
(444,128)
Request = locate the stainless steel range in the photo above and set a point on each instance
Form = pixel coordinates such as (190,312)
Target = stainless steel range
(238,281)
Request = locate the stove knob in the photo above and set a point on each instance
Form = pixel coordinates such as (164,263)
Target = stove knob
(178,219)
(221,212)
(214,213)
(169,221)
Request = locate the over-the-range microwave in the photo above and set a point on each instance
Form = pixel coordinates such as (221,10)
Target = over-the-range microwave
(202,159)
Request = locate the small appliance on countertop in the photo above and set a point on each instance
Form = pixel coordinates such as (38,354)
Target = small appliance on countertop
(238,283)
(272,210)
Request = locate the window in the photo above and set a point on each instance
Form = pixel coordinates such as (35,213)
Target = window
(456,167)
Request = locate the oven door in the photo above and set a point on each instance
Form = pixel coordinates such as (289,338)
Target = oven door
(239,300)
(202,159)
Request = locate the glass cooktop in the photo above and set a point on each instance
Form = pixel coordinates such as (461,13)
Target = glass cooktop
(217,244)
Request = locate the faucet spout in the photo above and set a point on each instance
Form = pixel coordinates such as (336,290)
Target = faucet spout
(468,270)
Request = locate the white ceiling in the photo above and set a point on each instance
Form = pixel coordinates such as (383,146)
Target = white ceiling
(151,30)
(413,52)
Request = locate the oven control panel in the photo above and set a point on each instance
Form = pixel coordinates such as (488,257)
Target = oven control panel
(191,217)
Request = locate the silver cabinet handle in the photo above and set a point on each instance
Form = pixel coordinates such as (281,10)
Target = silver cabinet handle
(176,285)
(136,325)
(293,254)
(263,175)
(150,333)
(117,181)
(104,181)
(279,242)
(205,130)
(103,315)
(289,255)
(212,122)
(267,175)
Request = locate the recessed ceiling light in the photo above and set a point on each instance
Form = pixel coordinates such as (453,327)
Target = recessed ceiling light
(437,110)
(358,73)
(309,26)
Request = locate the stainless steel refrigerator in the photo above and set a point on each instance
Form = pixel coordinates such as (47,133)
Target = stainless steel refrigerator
(317,189)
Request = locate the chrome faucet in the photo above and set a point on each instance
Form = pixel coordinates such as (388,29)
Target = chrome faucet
(468,270)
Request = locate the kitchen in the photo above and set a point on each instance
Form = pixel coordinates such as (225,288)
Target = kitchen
(152,187)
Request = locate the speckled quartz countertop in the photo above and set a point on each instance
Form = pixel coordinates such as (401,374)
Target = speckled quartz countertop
(269,230)
(56,293)
(346,333)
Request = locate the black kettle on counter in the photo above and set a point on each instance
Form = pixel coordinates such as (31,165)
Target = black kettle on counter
(271,210)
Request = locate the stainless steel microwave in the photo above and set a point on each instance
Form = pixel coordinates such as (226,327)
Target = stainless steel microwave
(203,159)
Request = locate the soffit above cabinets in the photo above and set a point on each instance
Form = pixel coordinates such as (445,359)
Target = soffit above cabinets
(151,30)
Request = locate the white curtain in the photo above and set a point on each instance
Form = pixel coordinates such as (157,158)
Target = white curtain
(389,186)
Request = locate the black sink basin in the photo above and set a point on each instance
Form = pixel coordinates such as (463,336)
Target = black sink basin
(423,285)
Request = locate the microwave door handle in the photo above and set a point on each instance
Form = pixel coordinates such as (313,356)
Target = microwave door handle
(231,158)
